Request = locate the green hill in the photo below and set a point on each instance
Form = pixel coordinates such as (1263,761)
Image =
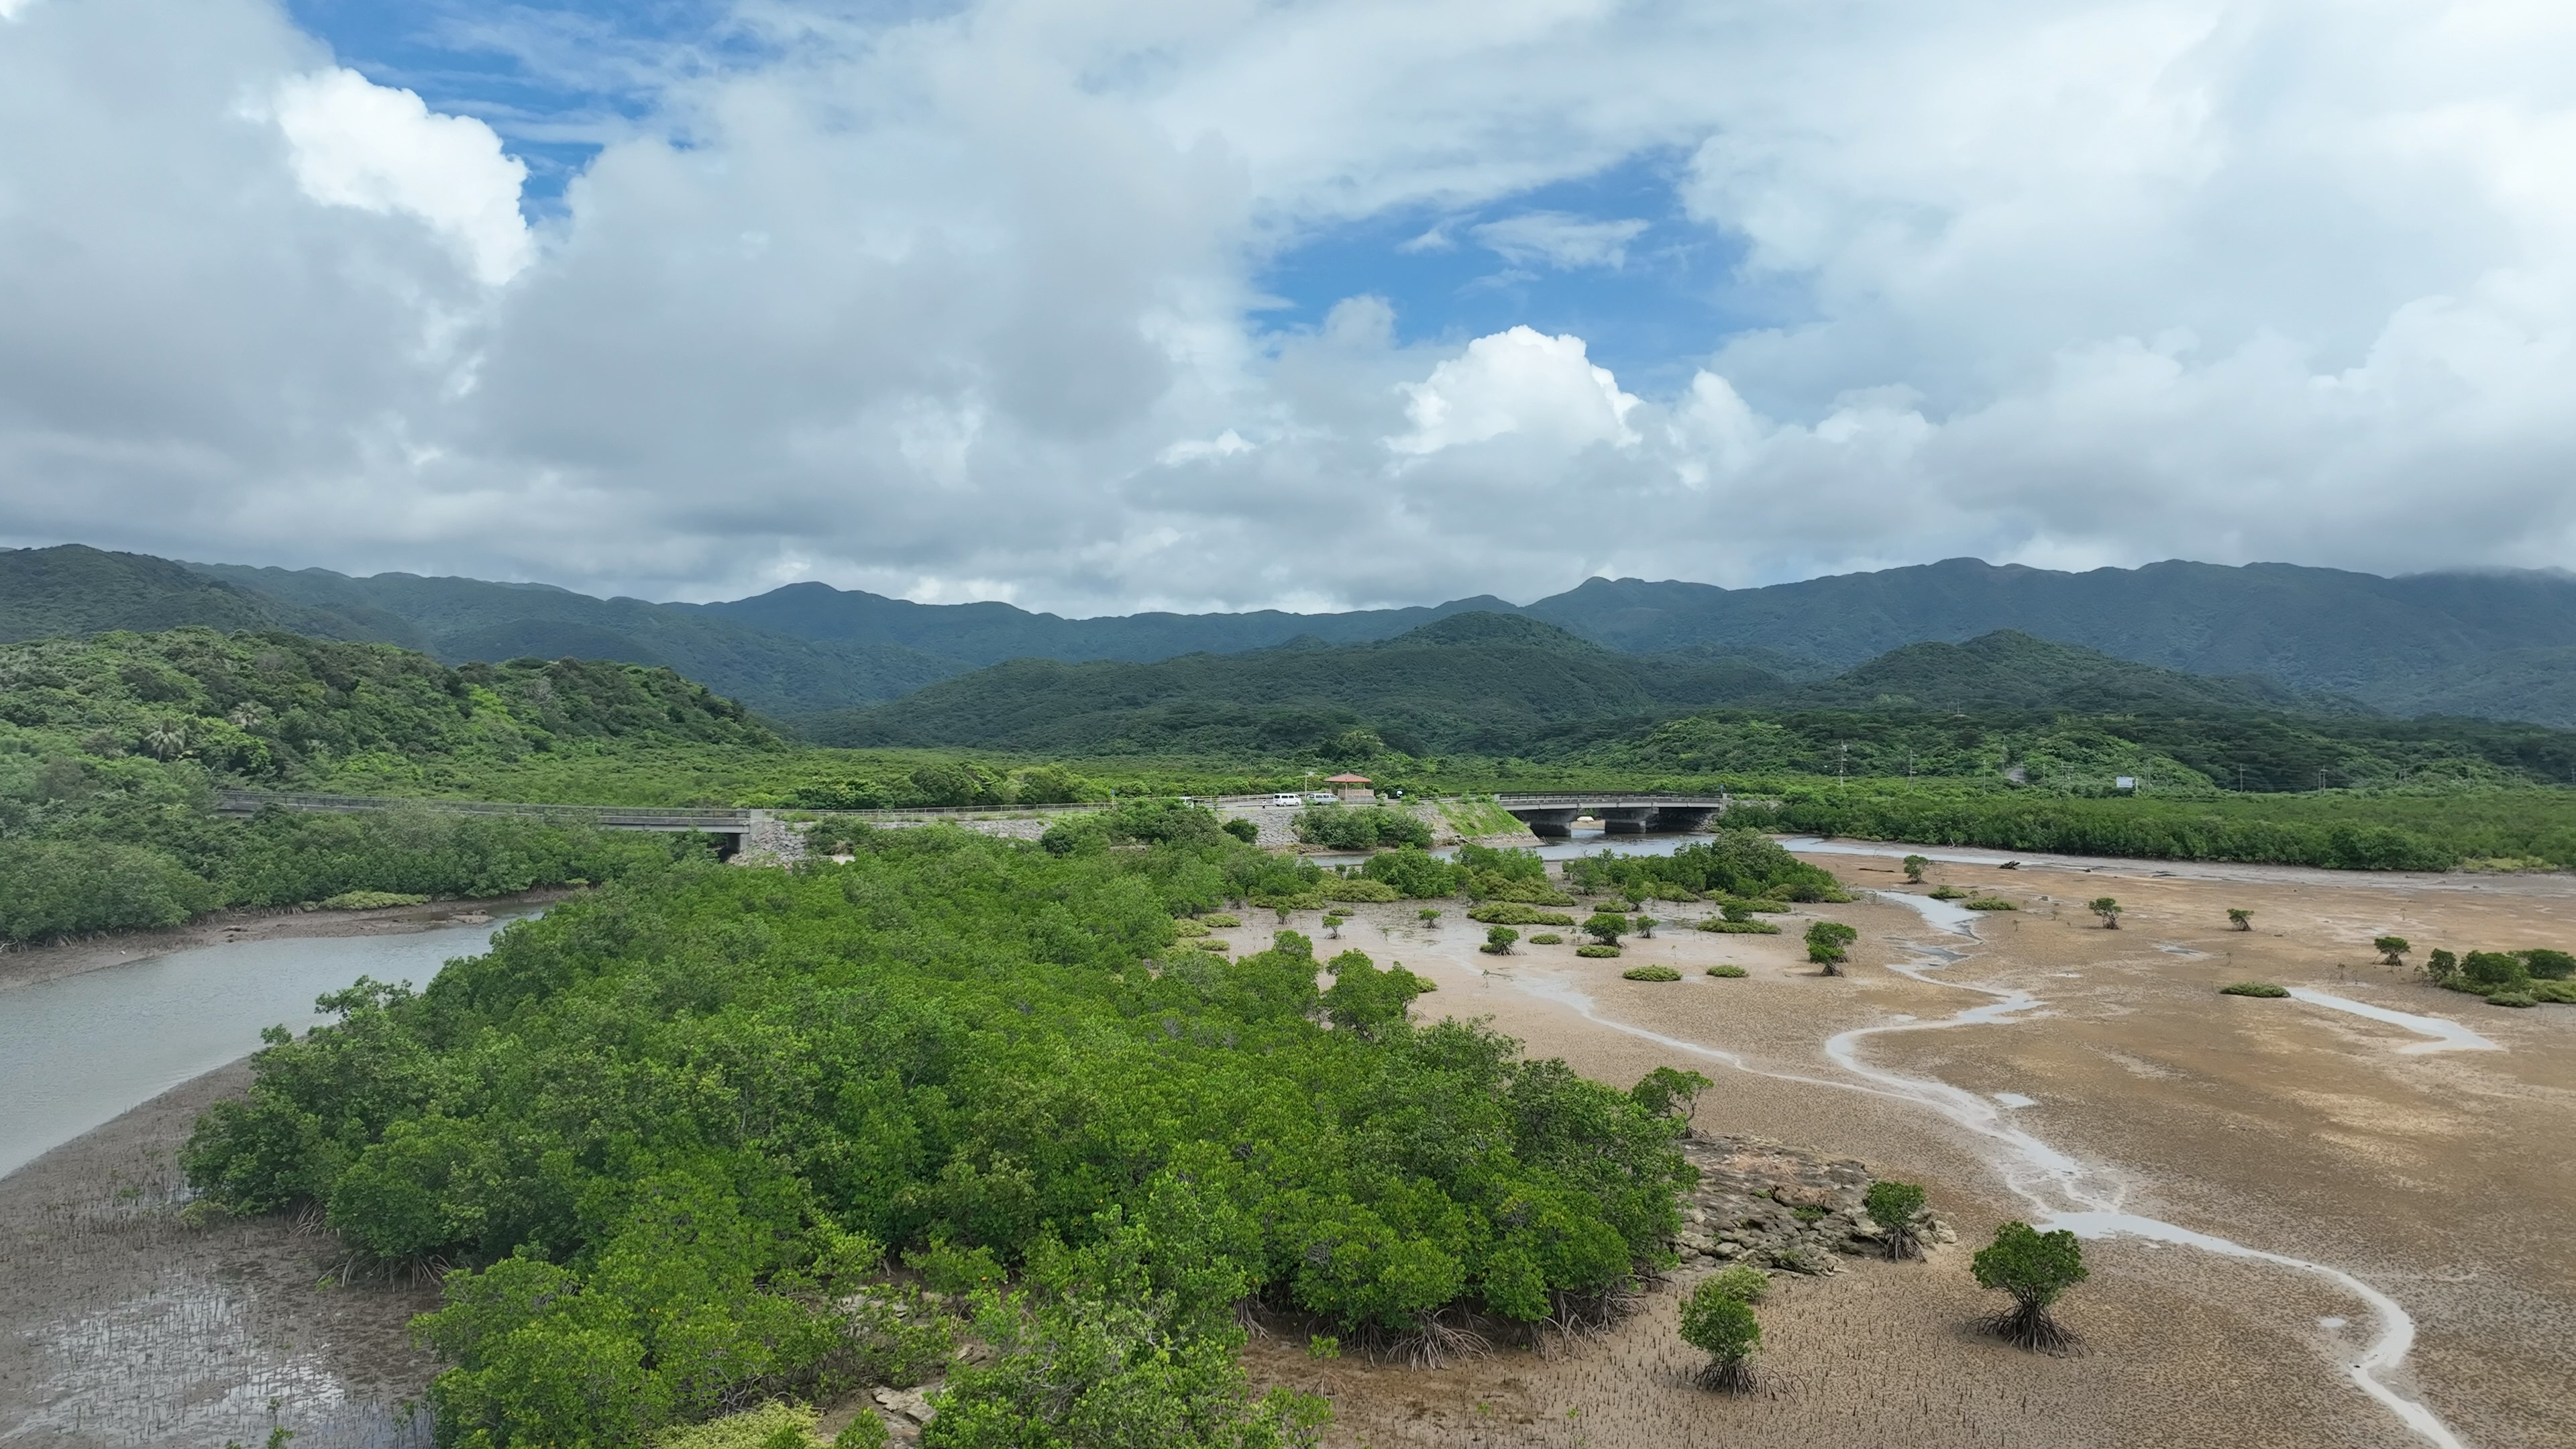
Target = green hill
(2008,669)
(75,589)
(469,619)
(1476,682)
(272,708)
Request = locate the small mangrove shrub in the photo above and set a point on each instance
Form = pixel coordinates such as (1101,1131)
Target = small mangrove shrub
(1597,953)
(1547,938)
(1732,973)
(1989,903)
(1721,1325)
(1897,1208)
(2253,988)
(1651,973)
(2036,1268)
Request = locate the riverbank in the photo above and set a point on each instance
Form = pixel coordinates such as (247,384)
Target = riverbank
(28,965)
(122,1325)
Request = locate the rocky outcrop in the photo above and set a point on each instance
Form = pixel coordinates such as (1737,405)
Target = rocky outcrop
(768,840)
(1774,1206)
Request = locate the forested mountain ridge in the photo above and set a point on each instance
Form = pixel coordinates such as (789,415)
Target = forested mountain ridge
(2422,643)
(1483,683)
(2495,644)
(75,589)
(272,708)
(469,619)
(1476,681)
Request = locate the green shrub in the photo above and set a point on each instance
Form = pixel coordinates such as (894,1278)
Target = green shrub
(1828,943)
(1220,922)
(1547,938)
(1358,889)
(1740,1281)
(1651,973)
(1365,827)
(2253,988)
(1513,913)
(771,1426)
(1413,873)
(1187,929)
(1212,943)
(1498,940)
(1895,1207)
(1597,953)
(1990,903)
(56,888)
(2036,1269)
(1724,927)
(1722,1326)
(2548,965)
(2512,998)
(1729,972)
(372,900)
(1605,927)
(2440,967)
(1669,1092)
(1947,893)
(1242,829)
(2493,971)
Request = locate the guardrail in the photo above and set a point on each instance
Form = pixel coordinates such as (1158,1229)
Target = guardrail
(1597,797)
(632,817)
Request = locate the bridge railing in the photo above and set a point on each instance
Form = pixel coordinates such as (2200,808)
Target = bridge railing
(248,802)
(1562,799)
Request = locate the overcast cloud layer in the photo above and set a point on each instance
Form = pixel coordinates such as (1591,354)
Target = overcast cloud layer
(972,306)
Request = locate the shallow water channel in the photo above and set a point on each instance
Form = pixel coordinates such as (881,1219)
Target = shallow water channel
(79,1051)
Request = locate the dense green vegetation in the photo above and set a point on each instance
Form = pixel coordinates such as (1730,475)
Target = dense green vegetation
(1477,682)
(111,747)
(670,1128)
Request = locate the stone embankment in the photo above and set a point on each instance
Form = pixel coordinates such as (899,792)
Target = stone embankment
(1772,1206)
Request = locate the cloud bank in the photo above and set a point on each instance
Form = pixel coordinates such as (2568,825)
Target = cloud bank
(973,304)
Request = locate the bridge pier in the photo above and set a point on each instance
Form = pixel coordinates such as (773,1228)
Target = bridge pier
(1547,824)
(1622,819)
(1683,819)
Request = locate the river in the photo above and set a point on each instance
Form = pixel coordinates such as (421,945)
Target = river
(79,1051)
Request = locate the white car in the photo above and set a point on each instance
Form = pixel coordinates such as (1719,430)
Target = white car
(1286,800)
(1321,797)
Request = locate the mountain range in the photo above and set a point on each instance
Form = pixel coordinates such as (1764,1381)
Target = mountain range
(1489,683)
(2494,644)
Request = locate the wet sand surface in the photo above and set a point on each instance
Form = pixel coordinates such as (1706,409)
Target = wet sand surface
(2441,1178)
(2438,1177)
(121,1326)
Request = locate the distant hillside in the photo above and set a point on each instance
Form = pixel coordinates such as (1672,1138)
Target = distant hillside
(2010,670)
(75,589)
(273,707)
(1496,684)
(2500,644)
(989,633)
(1481,682)
(464,619)
(2428,643)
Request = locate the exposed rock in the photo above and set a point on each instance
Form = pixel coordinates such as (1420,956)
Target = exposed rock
(768,840)
(911,1405)
(1774,1206)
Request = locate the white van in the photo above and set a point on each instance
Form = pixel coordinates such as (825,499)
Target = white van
(1286,800)
(1322,797)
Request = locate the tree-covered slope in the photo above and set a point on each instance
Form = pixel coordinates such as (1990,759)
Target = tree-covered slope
(75,589)
(2418,644)
(989,633)
(1479,682)
(272,707)
(2008,669)
(469,619)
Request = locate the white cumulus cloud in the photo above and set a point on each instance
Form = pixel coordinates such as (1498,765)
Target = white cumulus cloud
(1521,383)
(380,149)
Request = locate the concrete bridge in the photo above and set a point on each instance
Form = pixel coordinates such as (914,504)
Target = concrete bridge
(728,826)
(1553,815)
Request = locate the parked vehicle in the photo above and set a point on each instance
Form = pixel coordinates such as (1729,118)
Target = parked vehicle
(1321,797)
(1286,800)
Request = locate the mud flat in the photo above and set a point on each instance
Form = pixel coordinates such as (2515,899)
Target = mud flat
(120,1326)
(2288,1127)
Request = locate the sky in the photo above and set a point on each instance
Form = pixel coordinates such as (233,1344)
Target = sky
(1316,304)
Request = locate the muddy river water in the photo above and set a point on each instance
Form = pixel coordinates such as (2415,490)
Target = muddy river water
(76,1052)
